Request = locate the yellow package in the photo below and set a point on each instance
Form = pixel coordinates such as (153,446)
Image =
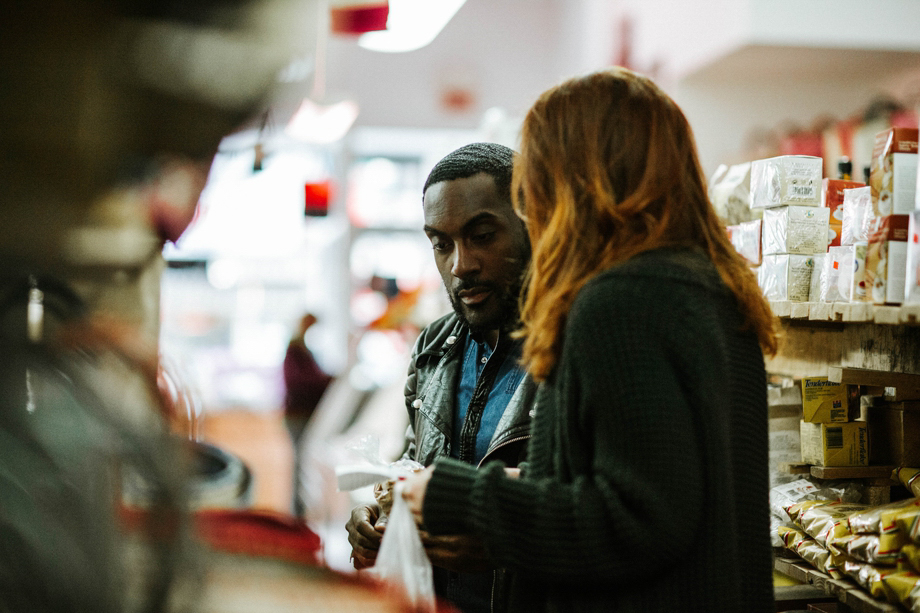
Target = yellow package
(795,511)
(806,548)
(908,521)
(874,548)
(824,401)
(827,521)
(909,478)
(790,536)
(881,519)
(900,585)
(819,557)
(836,444)
(909,558)
(886,522)
(870,577)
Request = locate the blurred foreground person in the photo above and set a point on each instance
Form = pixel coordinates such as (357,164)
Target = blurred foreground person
(646,482)
(112,111)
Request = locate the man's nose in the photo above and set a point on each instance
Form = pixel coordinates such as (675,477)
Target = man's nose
(465,262)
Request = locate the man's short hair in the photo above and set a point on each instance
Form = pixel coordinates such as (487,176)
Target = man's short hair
(490,158)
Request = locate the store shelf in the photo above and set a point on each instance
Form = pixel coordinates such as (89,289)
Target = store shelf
(848,312)
(816,337)
(843,590)
(881,473)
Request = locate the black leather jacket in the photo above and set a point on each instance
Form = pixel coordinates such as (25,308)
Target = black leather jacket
(431,401)
(431,398)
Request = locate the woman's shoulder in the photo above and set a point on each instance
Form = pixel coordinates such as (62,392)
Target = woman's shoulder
(655,283)
(665,266)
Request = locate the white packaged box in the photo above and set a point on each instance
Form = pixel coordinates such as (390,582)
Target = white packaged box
(745,238)
(912,280)
(730,193)
(818,278)
(886,260)
(893,177)
(857,214)
(830,291)
(795,229)
(837,444)
(851,283)
(786,276)
(832,198)
(786,179)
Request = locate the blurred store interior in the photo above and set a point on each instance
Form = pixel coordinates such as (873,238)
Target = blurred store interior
(313,204)
(755,78)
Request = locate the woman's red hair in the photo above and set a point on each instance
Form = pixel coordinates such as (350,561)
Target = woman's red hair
(608,169)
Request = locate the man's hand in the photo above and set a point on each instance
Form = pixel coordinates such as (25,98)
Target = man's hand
(458,553)
(364,534)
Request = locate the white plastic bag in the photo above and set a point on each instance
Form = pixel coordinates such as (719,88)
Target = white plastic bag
(374,469)
(401,562)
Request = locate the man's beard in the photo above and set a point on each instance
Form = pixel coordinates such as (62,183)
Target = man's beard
(506,317)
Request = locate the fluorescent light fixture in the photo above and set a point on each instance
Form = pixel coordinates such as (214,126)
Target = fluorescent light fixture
(412,24)
(322,124)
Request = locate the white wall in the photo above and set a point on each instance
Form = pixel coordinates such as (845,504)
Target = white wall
(506,52)
(726,62)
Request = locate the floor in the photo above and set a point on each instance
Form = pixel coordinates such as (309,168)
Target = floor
(262,442)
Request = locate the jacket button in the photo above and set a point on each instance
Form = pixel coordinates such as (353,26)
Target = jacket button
(416,403)
(532,412)
(451,340)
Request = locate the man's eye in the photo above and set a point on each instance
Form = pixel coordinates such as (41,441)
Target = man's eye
(440,246)
(483,237)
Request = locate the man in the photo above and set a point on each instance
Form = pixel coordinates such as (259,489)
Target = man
(466,395)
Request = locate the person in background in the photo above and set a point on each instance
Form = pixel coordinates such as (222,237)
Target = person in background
(304,385)
(466,394)
(646,483)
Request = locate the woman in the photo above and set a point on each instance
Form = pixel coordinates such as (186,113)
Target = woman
(646,483)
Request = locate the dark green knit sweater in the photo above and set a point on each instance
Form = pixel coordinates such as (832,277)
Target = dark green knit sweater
(646,486)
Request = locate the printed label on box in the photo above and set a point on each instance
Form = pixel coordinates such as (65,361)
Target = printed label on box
(835,444)
(823,401)
(893,176)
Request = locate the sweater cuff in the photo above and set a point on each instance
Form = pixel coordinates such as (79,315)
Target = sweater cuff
(446,506)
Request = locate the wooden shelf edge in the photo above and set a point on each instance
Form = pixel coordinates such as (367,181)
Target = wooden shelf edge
(844,590)
(853,312)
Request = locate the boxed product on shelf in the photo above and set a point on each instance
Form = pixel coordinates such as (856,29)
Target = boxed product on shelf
(745,237)
(786,276)
(893,175)
(912,270)
(818,278)
(886,260)
(857,215)
(837,444)
(786,179)
(832,199)
(851,282)
(894,434)
(795,229)
(825,401)
(829,288)
(730,193)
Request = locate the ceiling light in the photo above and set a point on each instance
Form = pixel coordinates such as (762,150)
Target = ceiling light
(322,124)
(411,25)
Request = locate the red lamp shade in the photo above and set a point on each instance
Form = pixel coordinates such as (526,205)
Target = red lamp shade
(358,16)
(316,200)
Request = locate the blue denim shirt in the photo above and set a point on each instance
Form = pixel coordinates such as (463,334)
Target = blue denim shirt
(476,355)
(486,398)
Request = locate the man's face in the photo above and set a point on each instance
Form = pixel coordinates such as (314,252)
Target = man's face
(480,248)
